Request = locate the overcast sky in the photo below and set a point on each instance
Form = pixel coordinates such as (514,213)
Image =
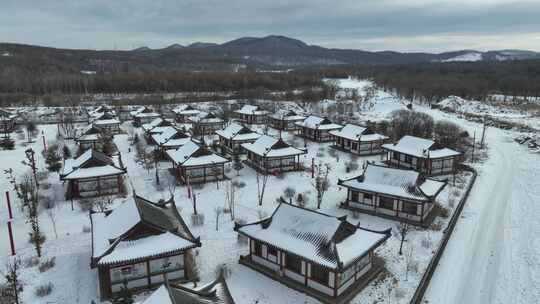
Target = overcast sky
(401,25)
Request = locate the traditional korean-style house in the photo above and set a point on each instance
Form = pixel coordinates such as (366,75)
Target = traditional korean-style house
(317,128)
(7,121)
(358,140)
(170,138)
(250,114)
(89,138)
(195,163)
(93,174)
(232,137)
(155,126)
(183,112)
(143,115)
(271,155)
(97,112)
(107,122)
(324,256)
(216,292)
(422,155)
(141,244)
(285,120)
(206,123)
(400,194)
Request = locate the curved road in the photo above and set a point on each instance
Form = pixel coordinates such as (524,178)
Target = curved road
(493,254)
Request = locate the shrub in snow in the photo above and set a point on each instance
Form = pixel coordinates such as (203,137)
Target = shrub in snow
(399,293)
(456,193)
(227,169)
(197,219)
(443,212)
(86,229)
(48,264)
(280,175)
(239,184)
(356,215)
(31,262)
(44,290)
(320,154)
(289,192)
(436,226)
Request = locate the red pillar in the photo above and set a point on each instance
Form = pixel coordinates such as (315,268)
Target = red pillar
(9,205)
(11,242)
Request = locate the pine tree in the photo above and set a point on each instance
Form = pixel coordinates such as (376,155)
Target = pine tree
(66,152)
(53,159)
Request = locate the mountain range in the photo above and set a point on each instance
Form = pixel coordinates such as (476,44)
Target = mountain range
(265,53)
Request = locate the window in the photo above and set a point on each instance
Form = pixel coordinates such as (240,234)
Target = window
(408,159)
(386,203)
(368,196)
(258,249)
(354,146)
(293,263)
(319,274)
(347,274)
(409,208)
(272,250)
(395,155)
(354,196)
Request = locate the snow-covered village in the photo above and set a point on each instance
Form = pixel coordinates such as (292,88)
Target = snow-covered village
(336,201)
(165,152)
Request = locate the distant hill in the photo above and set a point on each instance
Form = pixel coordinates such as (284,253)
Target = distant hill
(270,52)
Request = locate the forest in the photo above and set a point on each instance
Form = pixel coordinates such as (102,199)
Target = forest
(427,82)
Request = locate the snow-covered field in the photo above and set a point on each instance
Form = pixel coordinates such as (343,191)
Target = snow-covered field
(494,246)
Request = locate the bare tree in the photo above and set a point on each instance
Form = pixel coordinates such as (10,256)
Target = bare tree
(11,275)
(262,179)
(218,210)
(403,230)
(28,193)
(321,183)
(230,198)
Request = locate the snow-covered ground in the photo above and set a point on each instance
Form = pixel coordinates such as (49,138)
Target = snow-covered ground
(494,212)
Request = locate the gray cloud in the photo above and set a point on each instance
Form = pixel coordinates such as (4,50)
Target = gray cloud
(414,25)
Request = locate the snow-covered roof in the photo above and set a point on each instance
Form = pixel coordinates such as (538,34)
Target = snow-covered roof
(102,122)
(156,123)
(205,117)
(268,146)
(186,109)
(165,134)
(354,132)
(113,240)
(91,164)
(238,132)
(319,123)
(420,147)
(407,184)
(251,110)
(194,154)
(289,115)
(216,292)
(324,239)
(88,133)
